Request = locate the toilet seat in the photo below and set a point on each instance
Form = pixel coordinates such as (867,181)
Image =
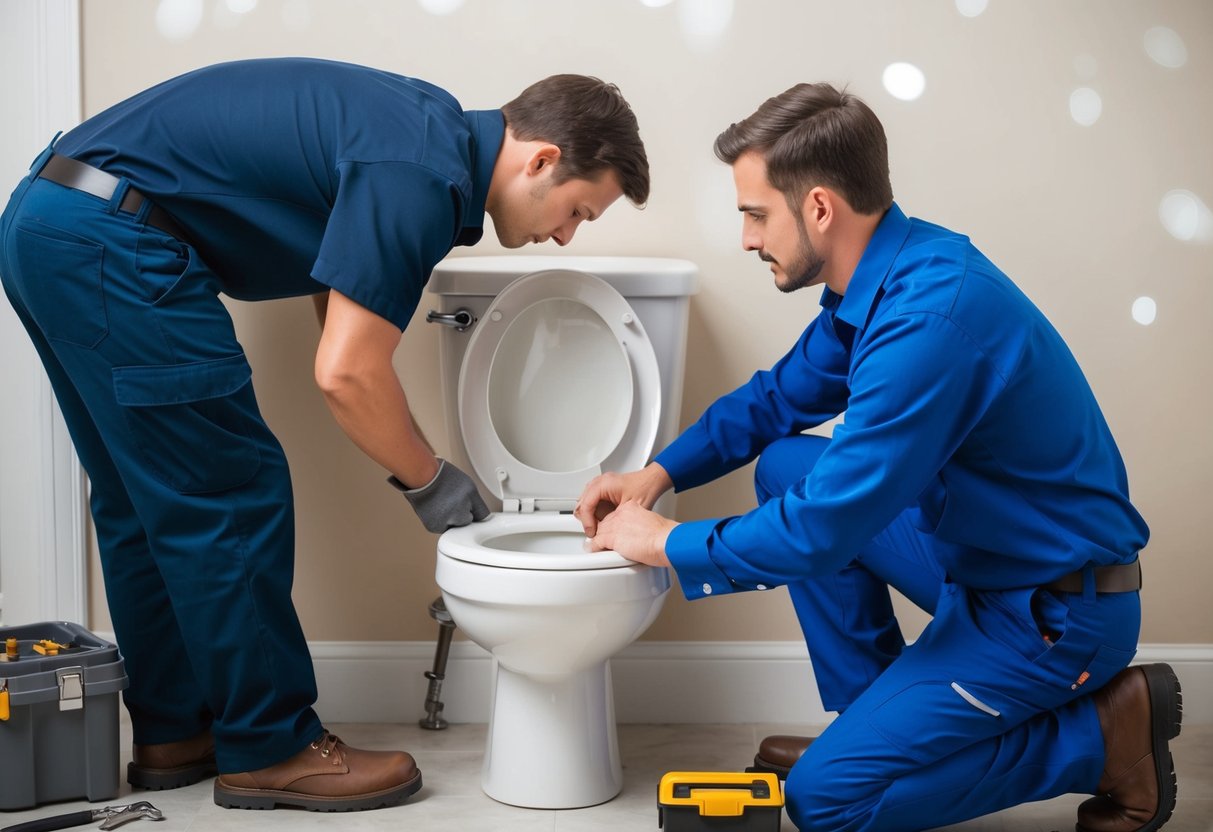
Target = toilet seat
(559,383)
(545,541)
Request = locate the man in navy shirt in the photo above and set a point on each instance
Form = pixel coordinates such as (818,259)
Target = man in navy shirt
(943,482)
(267,179)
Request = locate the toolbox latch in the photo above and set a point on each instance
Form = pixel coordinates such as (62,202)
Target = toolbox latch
(71,688)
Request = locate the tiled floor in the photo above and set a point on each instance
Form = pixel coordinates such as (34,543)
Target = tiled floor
(451,799)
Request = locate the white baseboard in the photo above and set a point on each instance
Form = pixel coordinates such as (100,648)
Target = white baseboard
(655,681)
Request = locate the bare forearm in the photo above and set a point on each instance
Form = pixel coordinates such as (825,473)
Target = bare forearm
(354,371)
(373,411)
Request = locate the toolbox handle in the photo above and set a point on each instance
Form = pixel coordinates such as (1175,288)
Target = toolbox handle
(756,788)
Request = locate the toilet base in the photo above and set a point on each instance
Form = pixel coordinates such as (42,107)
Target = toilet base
(552,742)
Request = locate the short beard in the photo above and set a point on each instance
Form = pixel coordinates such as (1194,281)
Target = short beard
(804,270)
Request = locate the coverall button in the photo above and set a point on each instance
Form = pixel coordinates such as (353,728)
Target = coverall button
(761,586)
(707,589)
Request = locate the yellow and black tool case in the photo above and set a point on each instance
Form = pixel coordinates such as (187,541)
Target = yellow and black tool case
(698,801)
(59,688)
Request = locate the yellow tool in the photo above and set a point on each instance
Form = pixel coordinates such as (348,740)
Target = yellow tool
(4,711)
(49,648)
(12,650)
(692,801)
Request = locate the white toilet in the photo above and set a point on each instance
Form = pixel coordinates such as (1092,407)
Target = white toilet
(554,370)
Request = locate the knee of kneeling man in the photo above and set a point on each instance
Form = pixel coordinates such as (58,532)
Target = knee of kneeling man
(785,462)
(817,797)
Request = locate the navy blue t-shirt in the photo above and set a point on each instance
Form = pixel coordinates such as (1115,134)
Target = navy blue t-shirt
(291,175)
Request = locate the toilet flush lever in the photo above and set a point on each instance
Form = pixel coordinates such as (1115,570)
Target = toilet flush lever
(459,320)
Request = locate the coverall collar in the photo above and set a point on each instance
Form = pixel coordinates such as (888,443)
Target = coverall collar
(488,132)
(874,266)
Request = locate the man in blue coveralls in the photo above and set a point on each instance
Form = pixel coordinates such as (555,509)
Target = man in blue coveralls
(266,179)
(1022,543)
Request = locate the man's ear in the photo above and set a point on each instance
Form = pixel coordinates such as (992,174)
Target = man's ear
(542,159)
(818,207)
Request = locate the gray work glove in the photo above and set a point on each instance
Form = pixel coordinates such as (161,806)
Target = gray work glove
(449,499)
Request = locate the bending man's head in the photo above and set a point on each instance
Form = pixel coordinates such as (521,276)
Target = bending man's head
(591,123)
(572,147)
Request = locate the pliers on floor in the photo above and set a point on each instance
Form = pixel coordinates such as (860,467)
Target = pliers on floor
(112,817)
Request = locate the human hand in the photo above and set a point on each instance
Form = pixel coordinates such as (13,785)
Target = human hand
(450,499)
(606,492)
(634,532)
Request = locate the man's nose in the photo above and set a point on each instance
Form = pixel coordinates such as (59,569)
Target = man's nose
(751,240)
(564,234)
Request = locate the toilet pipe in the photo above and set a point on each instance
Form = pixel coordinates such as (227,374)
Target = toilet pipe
(433,720)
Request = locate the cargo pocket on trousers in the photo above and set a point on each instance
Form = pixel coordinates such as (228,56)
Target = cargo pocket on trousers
(62,279)
(933,719)
(191,422)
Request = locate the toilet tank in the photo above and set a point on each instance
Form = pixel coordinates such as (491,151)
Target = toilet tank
(657,288)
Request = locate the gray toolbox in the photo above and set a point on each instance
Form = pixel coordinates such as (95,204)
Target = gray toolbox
(58,714)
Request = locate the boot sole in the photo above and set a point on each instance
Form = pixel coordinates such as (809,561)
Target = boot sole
(236,798)
(158,779)
(1166,720)
(1166,714)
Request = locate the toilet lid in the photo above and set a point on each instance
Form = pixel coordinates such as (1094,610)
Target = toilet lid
(559,383)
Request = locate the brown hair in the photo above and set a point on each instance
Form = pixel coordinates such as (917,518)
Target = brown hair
(812,135)
(591,123)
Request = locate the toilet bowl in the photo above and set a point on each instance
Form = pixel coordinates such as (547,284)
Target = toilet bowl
(557,381)
(524,588)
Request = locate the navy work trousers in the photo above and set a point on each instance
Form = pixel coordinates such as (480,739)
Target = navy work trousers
(190,492)
(980,713)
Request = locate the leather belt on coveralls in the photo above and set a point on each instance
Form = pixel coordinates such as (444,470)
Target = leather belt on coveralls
(1124,577)
(71,173)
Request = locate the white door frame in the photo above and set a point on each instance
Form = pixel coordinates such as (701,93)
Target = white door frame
(43,503)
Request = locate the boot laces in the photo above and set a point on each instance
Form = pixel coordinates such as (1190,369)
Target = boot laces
(327,744)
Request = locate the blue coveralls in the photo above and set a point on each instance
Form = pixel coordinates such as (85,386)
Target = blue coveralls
(288,177)
(973,466)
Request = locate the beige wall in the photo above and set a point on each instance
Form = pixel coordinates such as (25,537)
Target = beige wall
(1071,212)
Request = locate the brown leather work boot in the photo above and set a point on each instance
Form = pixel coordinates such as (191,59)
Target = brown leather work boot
(326,776)
(778,753)
(170,765)
(1139,711)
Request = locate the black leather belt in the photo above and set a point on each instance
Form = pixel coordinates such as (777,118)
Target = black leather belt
(64,170)
(1125,577)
